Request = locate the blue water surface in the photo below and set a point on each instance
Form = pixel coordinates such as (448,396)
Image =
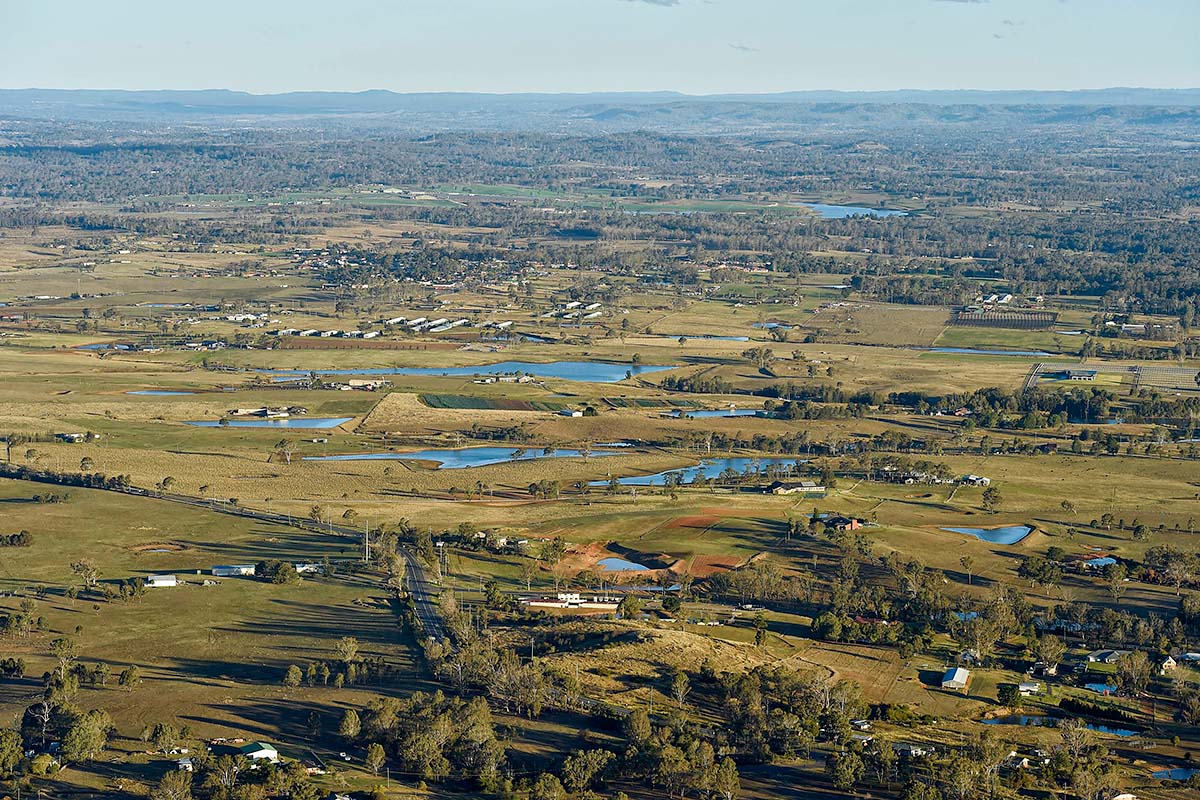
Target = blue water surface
(977,351)
(159,393)
(461,458)
(842,212)
(289,422)
(709,468)
(620,565)
(1010,534)
(590,371)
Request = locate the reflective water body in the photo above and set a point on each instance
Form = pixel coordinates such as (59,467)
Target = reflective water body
(590,371)
(842,212)
(290,422)
(709,468)
(1050,722)
(102,346)
(718,412)
(620,565)
(462,458)
(1010,534)
(1176,774)
(975,351)
(159,393)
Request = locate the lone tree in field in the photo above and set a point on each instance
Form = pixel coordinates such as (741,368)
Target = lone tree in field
(130,677)
(86,464)
(991,499)
(66,652)
(86,569)
(285,449)
(293,677)
(680,686)
(347,649)
(375,757)
(967,563)
(760,357)
(350,725)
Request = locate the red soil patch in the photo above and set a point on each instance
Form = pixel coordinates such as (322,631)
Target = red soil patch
(585,556)
(704,566)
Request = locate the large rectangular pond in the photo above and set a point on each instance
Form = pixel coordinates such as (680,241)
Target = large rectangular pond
(1043,721)
(717,412)
(159,393)
(589,371)
(842,212)
(709,468)
(982,351)
(462,458)
(289,422)
(103,346)
(1009,534)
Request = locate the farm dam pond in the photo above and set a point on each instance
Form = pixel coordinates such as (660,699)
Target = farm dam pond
(1006,534)
(584,371)
(465,457)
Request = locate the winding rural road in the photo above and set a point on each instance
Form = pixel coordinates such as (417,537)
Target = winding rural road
(421,588)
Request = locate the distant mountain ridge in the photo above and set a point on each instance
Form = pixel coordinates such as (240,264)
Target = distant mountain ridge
(606,112)
(384,101)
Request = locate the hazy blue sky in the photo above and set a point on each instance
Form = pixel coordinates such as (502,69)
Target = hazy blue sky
(586,45)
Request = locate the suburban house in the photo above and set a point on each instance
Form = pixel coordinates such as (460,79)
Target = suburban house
(1081,374)
(1167,666)
(969,656)
(1045,669)
(975,480)
(259,751)
(796,487)
(160,581)
(840,523)
(956,679)
(1106,656)
(908,750)
(1029,688)
(233,570)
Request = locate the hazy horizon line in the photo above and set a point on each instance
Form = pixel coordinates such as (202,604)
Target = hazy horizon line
(380,90)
